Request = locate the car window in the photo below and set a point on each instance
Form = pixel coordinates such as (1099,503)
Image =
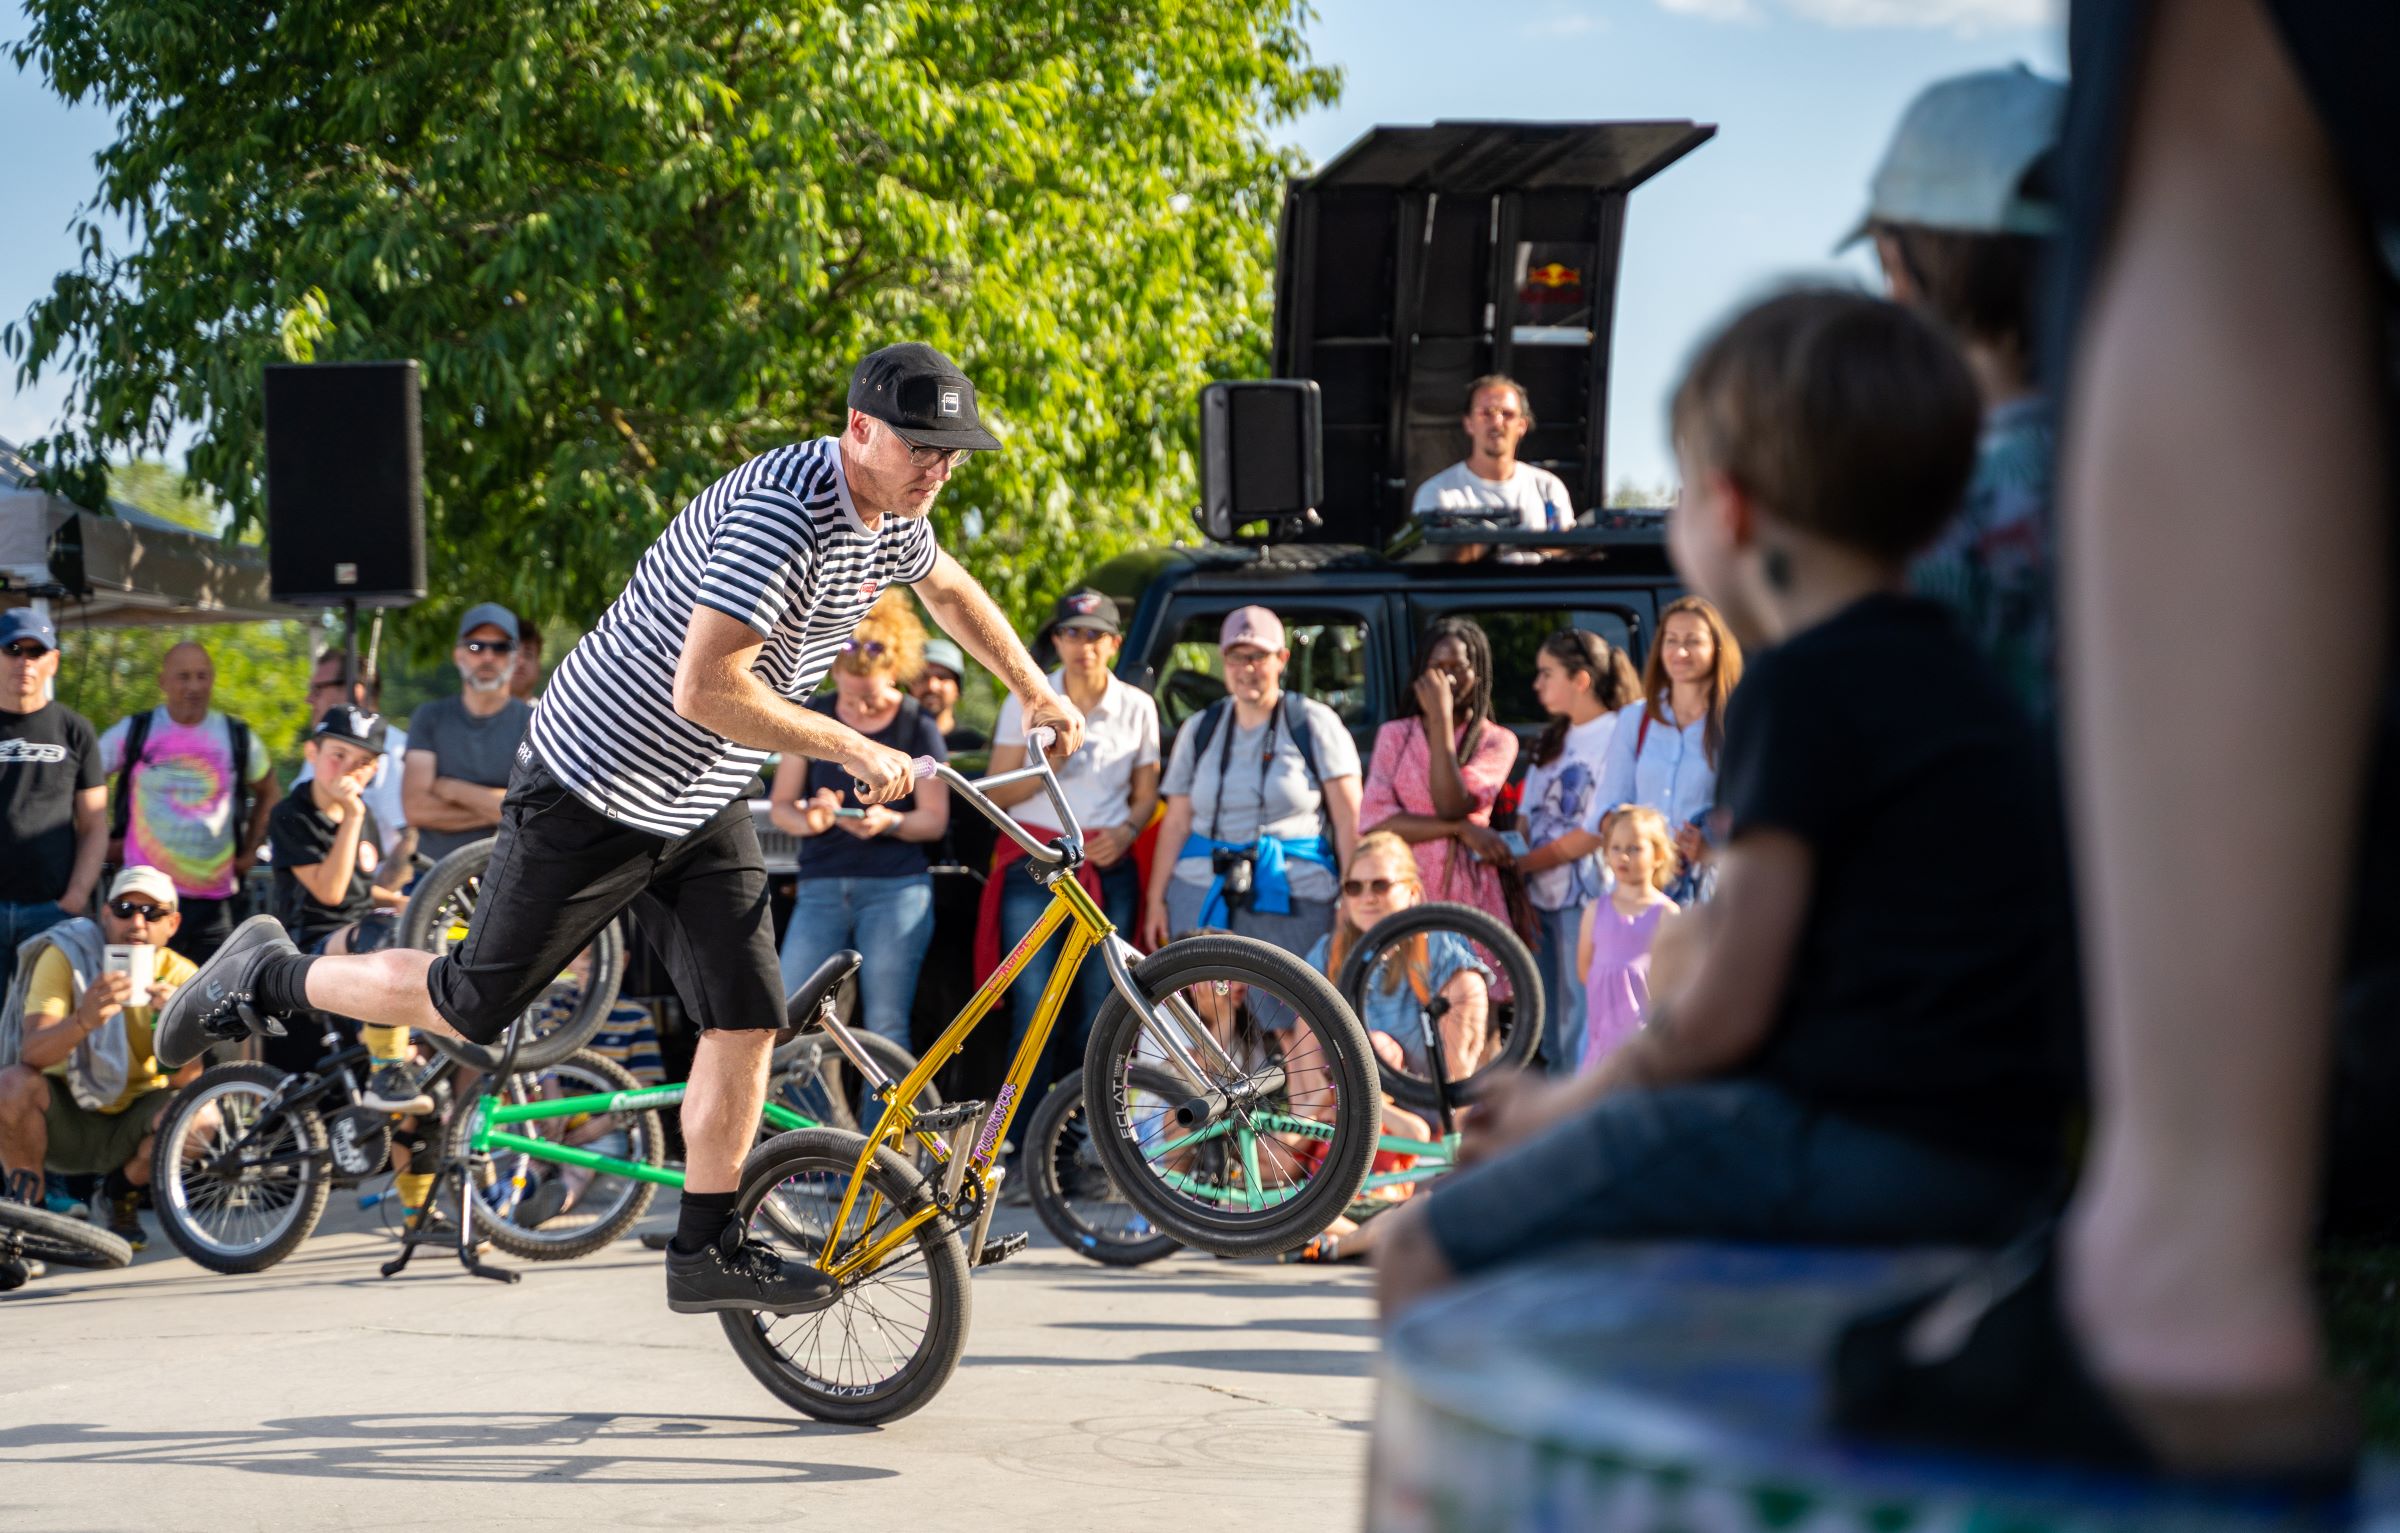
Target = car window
(1328,664)
(1517,636)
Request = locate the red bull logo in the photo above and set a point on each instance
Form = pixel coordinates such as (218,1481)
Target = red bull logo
(1554,274)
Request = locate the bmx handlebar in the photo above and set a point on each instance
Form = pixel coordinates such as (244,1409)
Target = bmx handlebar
(1037,768)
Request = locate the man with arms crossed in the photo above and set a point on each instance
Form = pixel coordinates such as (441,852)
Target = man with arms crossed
(628,790)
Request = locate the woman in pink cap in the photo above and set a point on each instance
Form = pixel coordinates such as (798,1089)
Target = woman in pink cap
(1262,804)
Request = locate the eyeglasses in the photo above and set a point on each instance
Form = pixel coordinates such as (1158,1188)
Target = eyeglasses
(928,457)
(1082,635)
(1242,660)
(488,646)
(1354,887)
(127,909)
(27,649)
(871,648)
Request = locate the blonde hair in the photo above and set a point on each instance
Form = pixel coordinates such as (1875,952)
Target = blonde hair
(1666,863)
(1346,933)
(892,623)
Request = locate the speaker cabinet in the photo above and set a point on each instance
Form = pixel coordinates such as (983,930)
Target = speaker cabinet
(345,484)
(1261,454)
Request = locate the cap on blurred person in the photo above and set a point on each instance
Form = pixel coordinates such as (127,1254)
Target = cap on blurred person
(1251,625)
(25,623)
(1968,157)
(941,654)
(150,883)
(1085,609)
(493,613)
(354,725)
(921,395)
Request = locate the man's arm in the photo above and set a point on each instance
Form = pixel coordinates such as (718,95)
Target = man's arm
(426,807)
(968,614)
(264,795)
(716,689)
(473,798)
(91,849)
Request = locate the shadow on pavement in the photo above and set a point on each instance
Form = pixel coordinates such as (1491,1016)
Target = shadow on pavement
(501,1448)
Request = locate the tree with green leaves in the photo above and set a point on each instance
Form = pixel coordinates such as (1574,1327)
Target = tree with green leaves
(634,244)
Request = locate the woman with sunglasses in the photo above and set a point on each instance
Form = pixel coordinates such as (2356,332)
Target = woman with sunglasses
(864,878)
(1581,681)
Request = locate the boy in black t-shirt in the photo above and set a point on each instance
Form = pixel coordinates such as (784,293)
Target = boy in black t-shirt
(1868,1046)
(326,852)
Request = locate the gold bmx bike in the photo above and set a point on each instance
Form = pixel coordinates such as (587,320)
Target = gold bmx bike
(1232,1098)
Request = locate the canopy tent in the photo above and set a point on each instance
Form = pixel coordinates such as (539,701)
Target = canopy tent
(124,567)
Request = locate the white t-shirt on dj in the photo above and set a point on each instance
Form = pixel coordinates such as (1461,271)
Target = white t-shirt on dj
(1118,736)
(1536,496)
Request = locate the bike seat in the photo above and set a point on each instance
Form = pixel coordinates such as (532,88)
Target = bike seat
(800,1013)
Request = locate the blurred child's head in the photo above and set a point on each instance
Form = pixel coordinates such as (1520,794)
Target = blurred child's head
(1817,421)
(1634,840)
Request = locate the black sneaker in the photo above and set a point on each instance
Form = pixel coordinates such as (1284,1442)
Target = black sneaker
(219,1001)
(545,1202)
(125,1218)
(740,1273)
(394,1090)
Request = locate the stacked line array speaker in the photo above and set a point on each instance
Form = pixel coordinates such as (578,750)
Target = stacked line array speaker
(345,484)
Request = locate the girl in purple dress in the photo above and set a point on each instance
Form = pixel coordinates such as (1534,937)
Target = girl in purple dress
(1614,950)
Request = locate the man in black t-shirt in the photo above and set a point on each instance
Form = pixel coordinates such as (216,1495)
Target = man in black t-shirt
(1868,1045)
(53,795)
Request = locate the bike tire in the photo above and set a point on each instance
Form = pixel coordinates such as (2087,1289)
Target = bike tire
(492,1217)
(1059,1153)
(184,1198)
(27,1232)
(1130,1118)
(805,1172)
(431,923)
(1518,1019)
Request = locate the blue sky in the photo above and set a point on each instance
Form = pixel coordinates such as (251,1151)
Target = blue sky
(1803,93)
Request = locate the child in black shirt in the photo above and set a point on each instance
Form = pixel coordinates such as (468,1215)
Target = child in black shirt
(323,842)
(1868,1044)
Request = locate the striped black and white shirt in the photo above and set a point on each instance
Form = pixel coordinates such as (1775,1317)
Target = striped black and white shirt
(777,544)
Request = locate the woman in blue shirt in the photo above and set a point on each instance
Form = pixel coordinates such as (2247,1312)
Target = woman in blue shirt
(1664,750)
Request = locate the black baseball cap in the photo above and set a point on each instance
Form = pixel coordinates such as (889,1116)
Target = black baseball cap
(353,726)
(921,395)
(1085,609)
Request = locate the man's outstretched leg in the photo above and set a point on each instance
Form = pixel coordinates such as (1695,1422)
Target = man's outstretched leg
(258,976)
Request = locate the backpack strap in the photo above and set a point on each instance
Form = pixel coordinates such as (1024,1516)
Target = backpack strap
(1206,725)
(1295,724)
(137,740)
(239,732)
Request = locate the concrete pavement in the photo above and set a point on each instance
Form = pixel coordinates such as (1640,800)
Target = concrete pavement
(1193,1393)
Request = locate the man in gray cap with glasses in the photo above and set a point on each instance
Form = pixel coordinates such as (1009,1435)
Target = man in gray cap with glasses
(629,789)
(460,749)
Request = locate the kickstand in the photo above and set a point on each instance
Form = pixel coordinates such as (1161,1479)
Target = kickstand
(418,1232)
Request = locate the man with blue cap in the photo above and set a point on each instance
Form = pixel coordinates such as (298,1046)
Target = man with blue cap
(53,794)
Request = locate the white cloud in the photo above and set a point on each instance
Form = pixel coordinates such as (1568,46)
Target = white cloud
(1564,24)
(1952,15)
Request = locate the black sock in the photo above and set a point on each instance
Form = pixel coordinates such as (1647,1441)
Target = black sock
(282,984)
(704,1217)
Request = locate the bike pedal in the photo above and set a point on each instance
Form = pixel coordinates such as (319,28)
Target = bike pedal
(996,1251)
(947,1116)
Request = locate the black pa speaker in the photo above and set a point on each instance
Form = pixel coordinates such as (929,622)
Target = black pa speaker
(1261,454)
(345,484)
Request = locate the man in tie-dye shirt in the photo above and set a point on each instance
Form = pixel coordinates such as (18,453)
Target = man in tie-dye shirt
(185,797)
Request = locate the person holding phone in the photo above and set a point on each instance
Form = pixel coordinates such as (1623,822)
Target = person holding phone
(865,881)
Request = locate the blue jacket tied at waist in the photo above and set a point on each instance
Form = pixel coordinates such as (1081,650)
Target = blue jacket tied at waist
(1270,872)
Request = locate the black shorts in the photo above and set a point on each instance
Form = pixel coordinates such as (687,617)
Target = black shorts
(561,870)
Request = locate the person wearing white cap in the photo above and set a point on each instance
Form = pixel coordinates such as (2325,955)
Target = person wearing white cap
(1961,214)
(86,1088)
(1262,793)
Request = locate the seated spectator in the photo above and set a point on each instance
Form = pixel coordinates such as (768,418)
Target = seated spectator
(1612,951)
(864,878)
(1961,223)
(936,691)
(1489,487)
(1868,1049)
(325,690)
(1664,750)
(333,890)
(194,788)
(461,749)
(53,792)
(1581,680)
(1111,784)
(85,1091)
(1269,781)
(1437,768)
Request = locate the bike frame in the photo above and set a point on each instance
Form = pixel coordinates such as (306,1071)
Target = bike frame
(493,1116)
